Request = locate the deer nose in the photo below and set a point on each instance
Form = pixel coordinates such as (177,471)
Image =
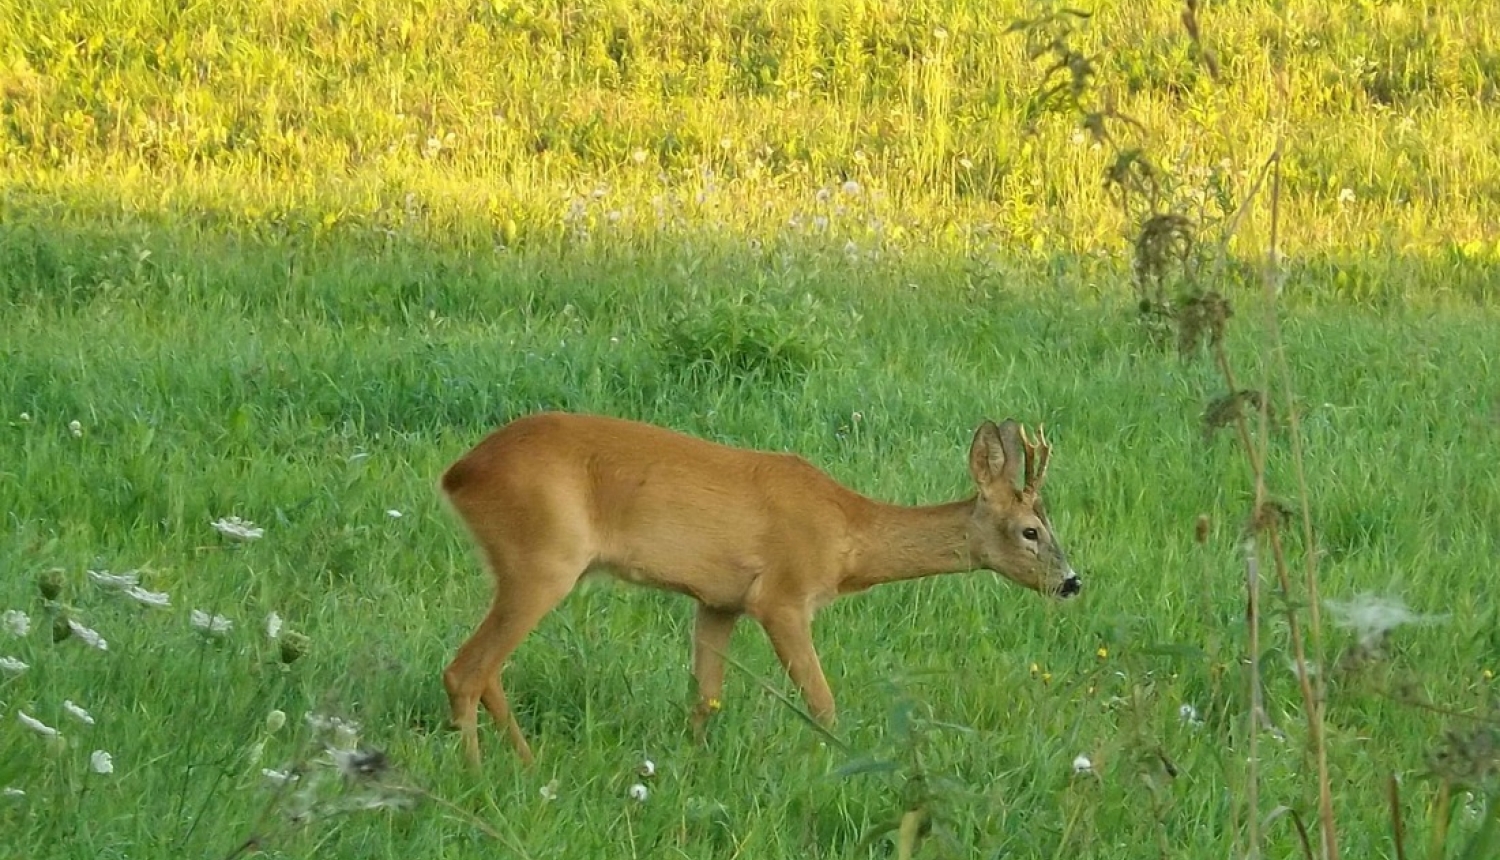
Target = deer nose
(1071,585)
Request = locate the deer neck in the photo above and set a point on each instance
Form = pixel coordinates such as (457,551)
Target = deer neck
(897,543)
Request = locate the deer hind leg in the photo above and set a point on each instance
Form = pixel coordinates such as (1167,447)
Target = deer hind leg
(790,632)
(711,631)
(474,675)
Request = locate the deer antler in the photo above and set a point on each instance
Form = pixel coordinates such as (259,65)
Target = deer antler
(1037,455)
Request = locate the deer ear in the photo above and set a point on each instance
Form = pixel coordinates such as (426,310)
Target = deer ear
(995,454)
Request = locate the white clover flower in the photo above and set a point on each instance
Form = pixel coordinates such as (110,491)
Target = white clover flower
(1346,196)
(273,625)
(279,777)
(1081,764)
(548,791)
(234,527)
(213,624)
(101,762)
(648,768)
(639,793)
(394,514)
(36,725)
(1371,617)
(128,579)
(78,713)
(89,636)
(15,622)
(150,598)
(25,417)
(12,666)
(76,429)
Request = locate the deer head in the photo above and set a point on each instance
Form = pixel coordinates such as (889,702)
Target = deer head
(1009,532)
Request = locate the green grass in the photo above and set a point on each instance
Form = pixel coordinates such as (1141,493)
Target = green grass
(228,252)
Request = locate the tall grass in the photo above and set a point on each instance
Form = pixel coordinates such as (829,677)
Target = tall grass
(246,271)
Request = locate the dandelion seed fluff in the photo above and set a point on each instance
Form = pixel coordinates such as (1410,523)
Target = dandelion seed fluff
(1081,764)
(78,713)
(639,793)
(101,762)
(1371,617)
(15,622)
(76,429)
(648,768)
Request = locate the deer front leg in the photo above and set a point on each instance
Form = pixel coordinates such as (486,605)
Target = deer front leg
(711,631)
(790,631)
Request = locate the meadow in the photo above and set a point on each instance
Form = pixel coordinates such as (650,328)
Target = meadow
(286,261)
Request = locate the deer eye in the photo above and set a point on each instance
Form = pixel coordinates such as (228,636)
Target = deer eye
(1029,533)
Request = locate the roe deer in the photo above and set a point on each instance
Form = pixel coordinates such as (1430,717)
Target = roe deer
(552,496)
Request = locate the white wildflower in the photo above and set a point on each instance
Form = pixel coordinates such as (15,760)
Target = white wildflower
(548,791)
(273,625)
(394,514)
(1346,196)
(25,417)
(76,429)
(128,579)
(638,793)
(237,528)
(150,598)
(1189,714)
(101,762)
(36,725)
(278,776)
(648,768)
(15,622)
(1371,617)
(639,156)
(89,636)
(1081,764)
(78,713)
(10,790)
(214,624)
(12,666)
(940,34)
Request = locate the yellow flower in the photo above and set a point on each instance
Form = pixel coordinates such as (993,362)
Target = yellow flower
(1102,652)
(715,705)
(1488,675)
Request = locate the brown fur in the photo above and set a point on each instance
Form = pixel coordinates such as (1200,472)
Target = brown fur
(552,496)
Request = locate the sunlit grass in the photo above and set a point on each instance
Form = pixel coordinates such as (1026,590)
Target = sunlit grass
(266,268)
